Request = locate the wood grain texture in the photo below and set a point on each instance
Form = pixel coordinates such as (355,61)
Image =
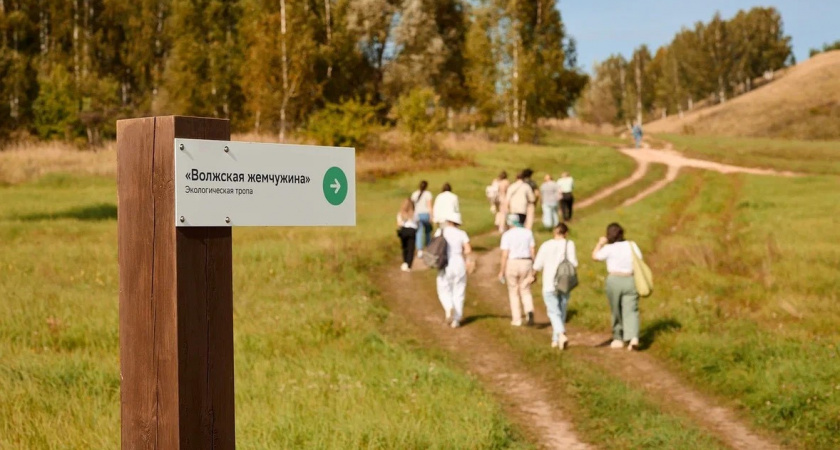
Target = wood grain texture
(186,336)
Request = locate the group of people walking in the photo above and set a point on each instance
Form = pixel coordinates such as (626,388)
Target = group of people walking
(520,260)
(521,196)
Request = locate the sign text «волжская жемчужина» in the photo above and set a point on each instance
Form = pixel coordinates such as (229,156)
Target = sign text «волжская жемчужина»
(224,183)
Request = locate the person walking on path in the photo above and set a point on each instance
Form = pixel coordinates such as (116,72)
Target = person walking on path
(502,184)
(516,269)
(620,288)
(637,133)
(446,204)
(519,197)
(452,280)
(549,257)
(550,195)
(565,185)
(407,231)
(422,200)
(531,212)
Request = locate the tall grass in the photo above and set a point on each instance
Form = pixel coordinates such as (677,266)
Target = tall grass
(315,365)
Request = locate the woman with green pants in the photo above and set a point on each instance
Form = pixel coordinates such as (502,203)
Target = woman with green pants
(621,289)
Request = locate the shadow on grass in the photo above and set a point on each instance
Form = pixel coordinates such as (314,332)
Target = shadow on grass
(659,326)
(470,319)
(90,213)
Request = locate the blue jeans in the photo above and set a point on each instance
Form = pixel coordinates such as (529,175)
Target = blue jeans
(550,218)
(555,306)
(424,230)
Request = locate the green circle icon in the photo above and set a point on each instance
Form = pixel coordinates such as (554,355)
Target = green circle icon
(335,186)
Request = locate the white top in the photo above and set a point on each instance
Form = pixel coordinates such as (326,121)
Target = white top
(550,193)
(455,240)
(618,256)
(519,196)
(566,184)
(421,202)
(518,242)
(549,257)
(445,203)
(410,223)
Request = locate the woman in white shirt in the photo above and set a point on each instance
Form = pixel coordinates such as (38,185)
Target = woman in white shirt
(452,280)
(621,288)
(407,231)
(549,257)
(423,213)
(567,200)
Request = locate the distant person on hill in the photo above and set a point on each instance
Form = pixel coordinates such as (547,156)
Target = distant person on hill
(549,257)
(452,280)
(501,184)
(519,197)
(527,177)
(422,200)
(621,288)
(637,133)
(566,184)
(516,269)
(550,195)
(446,204)
(407,232)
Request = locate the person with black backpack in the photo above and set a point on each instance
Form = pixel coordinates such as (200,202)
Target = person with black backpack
(452,269)
(558,261)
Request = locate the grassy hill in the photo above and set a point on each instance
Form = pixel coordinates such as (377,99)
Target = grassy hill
(804,104)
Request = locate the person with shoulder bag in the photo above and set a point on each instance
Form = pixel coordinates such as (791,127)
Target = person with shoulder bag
(557,259)
(452,278)
(621,289)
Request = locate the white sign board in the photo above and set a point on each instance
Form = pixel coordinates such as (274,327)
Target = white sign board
(224,183)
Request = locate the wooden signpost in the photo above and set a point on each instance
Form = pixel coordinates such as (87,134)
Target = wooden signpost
(176,298)
(176,207)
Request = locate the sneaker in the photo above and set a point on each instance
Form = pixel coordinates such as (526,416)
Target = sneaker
(404,267)
(530,319)
(616,343)
(419,253)
(563,342)
(516,323)
(633,345)
(455,324)
(554,344)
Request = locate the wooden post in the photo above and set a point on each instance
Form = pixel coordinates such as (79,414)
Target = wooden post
(176,292)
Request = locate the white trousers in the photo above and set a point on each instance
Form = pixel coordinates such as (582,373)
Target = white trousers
(451,288)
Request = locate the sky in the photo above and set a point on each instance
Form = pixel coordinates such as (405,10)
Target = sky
(605,27)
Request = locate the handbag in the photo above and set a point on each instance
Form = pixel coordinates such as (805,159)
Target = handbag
(642,275)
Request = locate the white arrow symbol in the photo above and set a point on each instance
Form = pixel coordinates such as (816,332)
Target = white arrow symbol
(336,185)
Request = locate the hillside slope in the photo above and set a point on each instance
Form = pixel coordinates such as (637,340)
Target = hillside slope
(804,104)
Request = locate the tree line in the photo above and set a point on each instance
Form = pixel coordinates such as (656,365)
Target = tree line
(710,62)
(69,68)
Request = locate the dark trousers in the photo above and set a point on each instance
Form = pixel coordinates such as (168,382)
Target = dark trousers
(566,204)
(407,239)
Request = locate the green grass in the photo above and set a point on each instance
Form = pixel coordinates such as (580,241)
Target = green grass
(315,366)
(812,157)
(746,293)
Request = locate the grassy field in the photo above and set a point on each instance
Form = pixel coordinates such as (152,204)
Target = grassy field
(746,301)
(808,157)
(314,366)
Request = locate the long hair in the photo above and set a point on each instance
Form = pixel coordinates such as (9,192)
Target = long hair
(615,233)
(407,209)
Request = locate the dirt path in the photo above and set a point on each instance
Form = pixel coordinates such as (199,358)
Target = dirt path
(527,401)
(638,368)
(674,161)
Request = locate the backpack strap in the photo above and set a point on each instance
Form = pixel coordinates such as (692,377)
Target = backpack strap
(565,250)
